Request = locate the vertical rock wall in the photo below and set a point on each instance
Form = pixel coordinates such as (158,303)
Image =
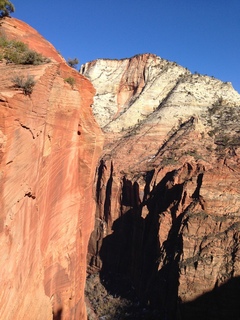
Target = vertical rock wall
(49,148)
(167,218)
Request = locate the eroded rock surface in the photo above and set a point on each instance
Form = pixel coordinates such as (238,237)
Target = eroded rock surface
(167,187)
(49,147)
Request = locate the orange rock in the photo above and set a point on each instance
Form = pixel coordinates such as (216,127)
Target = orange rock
(49,148)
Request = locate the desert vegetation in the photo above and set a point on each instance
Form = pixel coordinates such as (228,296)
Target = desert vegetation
(73,62)
(13,51)
(110,304)
(6,7)
(71,81)
(25,83)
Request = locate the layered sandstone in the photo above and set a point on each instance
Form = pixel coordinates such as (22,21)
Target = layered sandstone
(167,187)
(49,147)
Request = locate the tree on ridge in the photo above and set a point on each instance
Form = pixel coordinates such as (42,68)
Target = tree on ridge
(73,62)
(6,7)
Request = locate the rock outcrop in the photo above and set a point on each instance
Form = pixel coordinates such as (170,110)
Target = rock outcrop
(49,148)
(167,187)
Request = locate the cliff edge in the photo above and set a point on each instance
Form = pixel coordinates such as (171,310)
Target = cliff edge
(49,147)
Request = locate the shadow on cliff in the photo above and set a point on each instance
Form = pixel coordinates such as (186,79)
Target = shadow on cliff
(119,257)
(137,267)
(57,315)
(131,254)
(222,303)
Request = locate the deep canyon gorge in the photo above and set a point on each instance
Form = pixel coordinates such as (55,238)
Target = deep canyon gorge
(129,176)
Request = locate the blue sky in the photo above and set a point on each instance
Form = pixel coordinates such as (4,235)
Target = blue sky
(202,35)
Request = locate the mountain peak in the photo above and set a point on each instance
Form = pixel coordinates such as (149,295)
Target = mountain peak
(130,90)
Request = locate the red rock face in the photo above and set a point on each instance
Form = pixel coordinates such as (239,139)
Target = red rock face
(168,186)
(49,147)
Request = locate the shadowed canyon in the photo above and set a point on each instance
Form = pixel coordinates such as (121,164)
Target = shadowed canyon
(167,186)
(129,178)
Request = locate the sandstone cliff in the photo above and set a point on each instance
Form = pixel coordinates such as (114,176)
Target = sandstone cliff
(49,147)
(167,188)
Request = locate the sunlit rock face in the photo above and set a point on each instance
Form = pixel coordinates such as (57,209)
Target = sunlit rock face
(49,148)
(167,187)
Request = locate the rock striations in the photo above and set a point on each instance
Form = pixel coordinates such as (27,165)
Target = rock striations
(167,186)
(167,221)
(49,148)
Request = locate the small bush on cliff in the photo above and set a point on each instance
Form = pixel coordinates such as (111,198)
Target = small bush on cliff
(71,81)
(32,57)
(6,7)
(17,52)
(24,83)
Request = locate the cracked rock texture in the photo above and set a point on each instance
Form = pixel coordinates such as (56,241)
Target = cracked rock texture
(167,186)
(49,147)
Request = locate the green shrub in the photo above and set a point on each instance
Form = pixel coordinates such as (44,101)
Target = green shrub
(71,81)
(33,57)
(3,42)
(18,52)
(24,83)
